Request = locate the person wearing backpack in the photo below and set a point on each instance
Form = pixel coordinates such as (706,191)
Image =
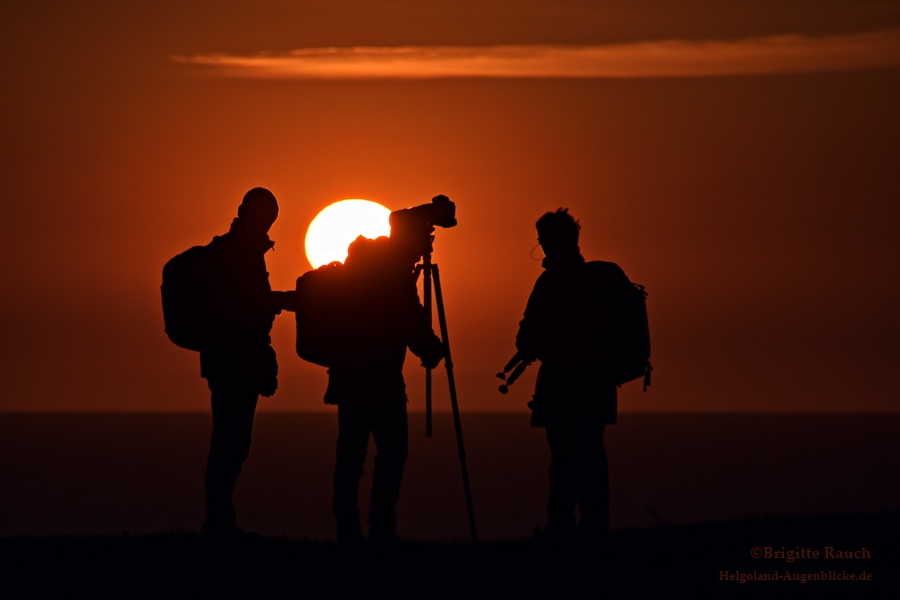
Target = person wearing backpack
(217,300)
(378,316)
(576,324)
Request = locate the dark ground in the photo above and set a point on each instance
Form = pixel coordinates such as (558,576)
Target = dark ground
(634,563)
(90,474)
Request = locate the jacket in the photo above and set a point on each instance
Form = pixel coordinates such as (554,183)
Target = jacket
(570,325)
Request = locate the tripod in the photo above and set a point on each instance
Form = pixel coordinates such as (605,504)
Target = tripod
(431,273)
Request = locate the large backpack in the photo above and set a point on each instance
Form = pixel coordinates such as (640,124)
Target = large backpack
(186,296)
(633,344)
(319,304)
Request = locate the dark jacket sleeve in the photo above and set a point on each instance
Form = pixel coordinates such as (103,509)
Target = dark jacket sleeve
(530,336)
(421,338)
(242,307)
(240,314)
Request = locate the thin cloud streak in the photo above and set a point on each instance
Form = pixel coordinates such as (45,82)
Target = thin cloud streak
(669,58)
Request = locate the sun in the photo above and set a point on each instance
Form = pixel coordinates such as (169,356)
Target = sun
(337,225)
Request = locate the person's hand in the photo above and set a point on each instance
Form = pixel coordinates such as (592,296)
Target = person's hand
(283,301)
(432,364)
(433,353)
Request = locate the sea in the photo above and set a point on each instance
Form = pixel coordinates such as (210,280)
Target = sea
(141,473)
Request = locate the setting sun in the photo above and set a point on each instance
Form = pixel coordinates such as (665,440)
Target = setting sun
(337,225)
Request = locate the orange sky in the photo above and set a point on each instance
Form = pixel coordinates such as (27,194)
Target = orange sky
(759,211)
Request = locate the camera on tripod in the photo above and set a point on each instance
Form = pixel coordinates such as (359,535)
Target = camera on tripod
(413,229)
(441,212)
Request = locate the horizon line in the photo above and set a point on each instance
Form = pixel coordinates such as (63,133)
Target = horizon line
(526,411)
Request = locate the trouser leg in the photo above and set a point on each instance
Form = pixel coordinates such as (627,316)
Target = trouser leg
(391,435)
(563,479)
(593,481)
(233,410)
(353,438)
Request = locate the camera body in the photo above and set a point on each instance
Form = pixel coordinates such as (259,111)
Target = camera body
(413,228)
(441,212)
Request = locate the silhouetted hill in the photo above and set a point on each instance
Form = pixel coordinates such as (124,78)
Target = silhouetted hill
(692,557)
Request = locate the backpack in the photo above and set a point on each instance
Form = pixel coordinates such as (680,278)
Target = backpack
(633,343)
(318,303)
(186,294)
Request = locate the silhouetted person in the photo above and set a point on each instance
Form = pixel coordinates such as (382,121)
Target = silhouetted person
(569,326)
(381,318)
(237,358)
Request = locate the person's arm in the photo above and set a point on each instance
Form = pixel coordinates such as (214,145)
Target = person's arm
(284,301)
(429,348)
(530,337)
(420,337)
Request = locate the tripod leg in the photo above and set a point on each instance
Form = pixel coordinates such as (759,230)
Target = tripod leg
(448,363)
(426,292)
